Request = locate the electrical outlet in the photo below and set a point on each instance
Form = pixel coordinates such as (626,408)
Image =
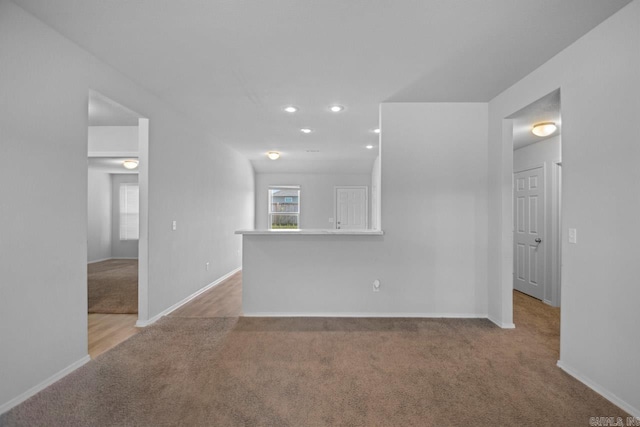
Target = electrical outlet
(573,235)
(174,225)
(206,266)
(376,285)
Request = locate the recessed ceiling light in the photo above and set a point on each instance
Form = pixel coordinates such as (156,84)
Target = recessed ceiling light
(376,130)
(336,108)
(130,163)
(544,129)
(273,155)
(290,108)
(369,147)
(306,130)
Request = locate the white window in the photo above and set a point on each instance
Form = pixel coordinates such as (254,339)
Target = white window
(129,211)
(284,207)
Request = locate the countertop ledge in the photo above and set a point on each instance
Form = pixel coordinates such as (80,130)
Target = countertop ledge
(313,232)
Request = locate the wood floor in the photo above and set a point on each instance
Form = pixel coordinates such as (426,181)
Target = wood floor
(224,300)
(108,330)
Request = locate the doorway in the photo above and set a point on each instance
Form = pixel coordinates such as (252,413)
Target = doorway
(536,200)
(351,205)
(117,149)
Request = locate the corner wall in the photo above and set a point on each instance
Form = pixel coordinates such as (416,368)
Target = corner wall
(431,261)
(44,81)
(598,77)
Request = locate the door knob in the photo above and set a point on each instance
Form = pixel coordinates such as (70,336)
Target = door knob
(538,240)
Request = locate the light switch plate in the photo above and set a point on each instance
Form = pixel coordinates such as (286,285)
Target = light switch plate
(573,235)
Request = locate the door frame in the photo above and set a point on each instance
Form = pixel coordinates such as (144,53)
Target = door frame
(143,185)
(366,202)
(143,238)
(556,232)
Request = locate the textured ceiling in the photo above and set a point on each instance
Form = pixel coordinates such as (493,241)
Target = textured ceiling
(233,64)
(545,109)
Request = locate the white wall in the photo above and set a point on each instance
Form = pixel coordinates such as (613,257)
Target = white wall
(44,82)
(536,154)
(375,194)
(546,154)
(120,248)
(107,140)
(432,258)
(316,196)
(99,216)
(600,89)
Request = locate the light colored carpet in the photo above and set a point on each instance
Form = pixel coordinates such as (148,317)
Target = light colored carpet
(113,286)
(325,371)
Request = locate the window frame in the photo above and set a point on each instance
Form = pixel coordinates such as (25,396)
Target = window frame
(123,226)
(270,213)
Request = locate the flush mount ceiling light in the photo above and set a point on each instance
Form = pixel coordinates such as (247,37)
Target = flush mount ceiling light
(290,108)
(336,108)
(306,130)
(273,155)
(130,163)
(377,130)
(544,129)
(369,147)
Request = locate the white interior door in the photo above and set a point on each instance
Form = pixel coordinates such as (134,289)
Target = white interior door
(351,208)
(529,228)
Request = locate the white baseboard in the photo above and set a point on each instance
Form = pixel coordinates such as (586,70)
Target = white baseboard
(503,325)
(143,323)
(99,260)
(110,258)
(599,389)
(358,314)
(44,384)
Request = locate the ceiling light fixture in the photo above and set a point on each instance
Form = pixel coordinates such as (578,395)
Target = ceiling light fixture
(130,163)
(369,147)
(306,130)
(376,130)
(290,109)
(273,155)
(544,129)
(336,108)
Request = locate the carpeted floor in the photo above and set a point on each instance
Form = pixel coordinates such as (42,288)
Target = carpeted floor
(325,371)
(113,286)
